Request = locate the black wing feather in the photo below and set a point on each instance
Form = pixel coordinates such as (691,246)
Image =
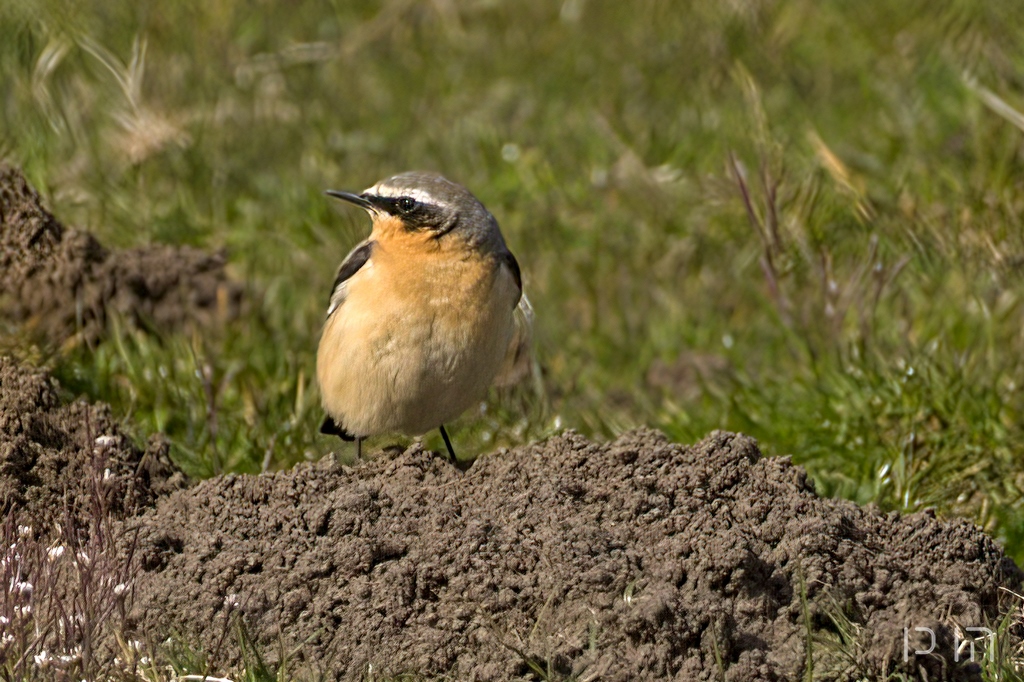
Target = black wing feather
(350,266)
(513,265)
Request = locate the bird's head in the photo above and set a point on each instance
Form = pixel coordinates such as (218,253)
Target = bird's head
(427,205)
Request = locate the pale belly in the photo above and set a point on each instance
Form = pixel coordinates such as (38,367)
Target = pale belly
(407,365)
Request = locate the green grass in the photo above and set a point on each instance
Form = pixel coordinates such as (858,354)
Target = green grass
(862,310)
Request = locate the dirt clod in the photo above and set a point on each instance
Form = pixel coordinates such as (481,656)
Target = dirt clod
(632,560)
(62,283)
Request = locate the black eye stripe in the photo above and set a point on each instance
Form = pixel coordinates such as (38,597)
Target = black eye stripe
(416,215)
(400,206)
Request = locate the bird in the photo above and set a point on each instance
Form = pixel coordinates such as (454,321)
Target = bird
(423,314)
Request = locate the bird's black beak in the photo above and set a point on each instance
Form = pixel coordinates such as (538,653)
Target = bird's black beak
(357,199)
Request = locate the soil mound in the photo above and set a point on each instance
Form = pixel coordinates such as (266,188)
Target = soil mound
(632,560)
(63,282)
(55,457)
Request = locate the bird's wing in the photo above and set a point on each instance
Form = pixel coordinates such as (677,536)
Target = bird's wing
(512,264)
(518,363)
(356,259)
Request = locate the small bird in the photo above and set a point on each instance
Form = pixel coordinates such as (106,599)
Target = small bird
(423,314)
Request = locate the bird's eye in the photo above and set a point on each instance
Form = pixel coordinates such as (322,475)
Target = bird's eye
(406,204)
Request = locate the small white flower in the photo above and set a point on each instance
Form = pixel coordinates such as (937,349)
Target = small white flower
(82,558)
(23,532)
(41,658)
(120,589)
(231,601)
(55,553)
(106,441)
(22,588)
(4,620)
(107,475)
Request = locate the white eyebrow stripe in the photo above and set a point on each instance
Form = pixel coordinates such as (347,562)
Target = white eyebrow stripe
(394,193)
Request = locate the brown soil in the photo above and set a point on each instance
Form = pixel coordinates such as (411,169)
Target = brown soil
(632,560)
(63,284)
(53,456)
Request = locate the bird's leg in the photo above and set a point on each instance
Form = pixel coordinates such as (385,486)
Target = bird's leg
(359,448)
(448,444)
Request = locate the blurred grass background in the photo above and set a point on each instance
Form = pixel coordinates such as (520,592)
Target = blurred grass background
(800,219)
